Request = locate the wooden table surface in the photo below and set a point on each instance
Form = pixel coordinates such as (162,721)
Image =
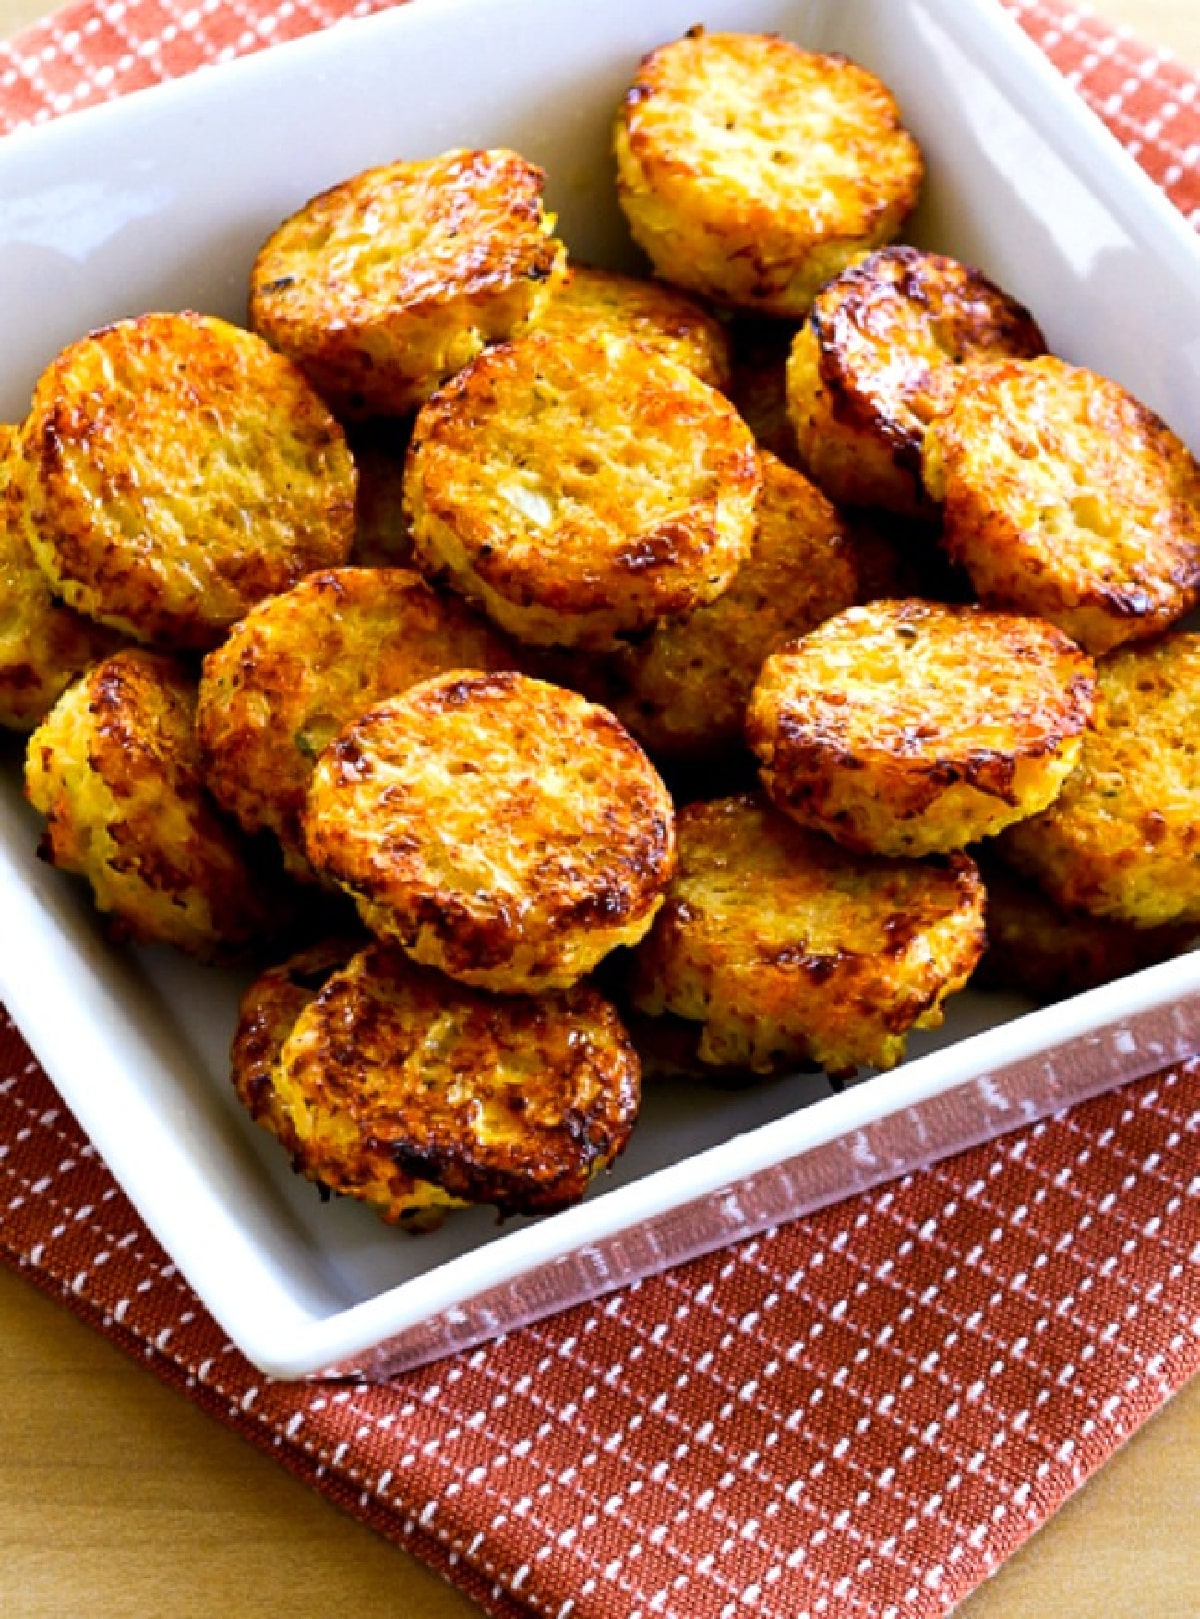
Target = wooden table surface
(118,1498)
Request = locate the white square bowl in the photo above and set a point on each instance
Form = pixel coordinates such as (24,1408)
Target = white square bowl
(160,201)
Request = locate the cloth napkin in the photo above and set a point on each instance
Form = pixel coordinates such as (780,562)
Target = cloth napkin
(863,1412)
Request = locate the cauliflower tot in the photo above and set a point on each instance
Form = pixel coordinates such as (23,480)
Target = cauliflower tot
(115,769)
(500,828)
(683,690)
(389,1083)
(911,727)
(44,646)
(1122,840)
(176,471)
(752,171)
(387,284)
(787,949)
(593,301)
(1065,497)
(580,489)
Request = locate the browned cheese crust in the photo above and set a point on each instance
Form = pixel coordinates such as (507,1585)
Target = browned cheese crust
(498,827)
(399,1087)
(1037,948)
(751,171)
(593,302)
(881,354)
(382,287)
(178,471)
(304,664)
(43,645)
(115,769)
(1065,497)
(267,1014)
(1123,838)
(684,689)
(894,555)
(788,949)
(909,727)
(580,489)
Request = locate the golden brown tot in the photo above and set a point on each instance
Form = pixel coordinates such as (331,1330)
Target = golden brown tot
(1123,838)
(592,302)
(392,1084)
(1039,949)
(176,471)
(1066,497)
(389,283)
(884,347)
(786,949)
(580,489)
(115,769)
(500,828)
(683,690)
(909,727)
(43,645)
(751,171)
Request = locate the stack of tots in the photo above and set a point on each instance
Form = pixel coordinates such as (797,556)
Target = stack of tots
(375,631)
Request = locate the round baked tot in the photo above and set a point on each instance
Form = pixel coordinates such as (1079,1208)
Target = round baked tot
(176,471)
(751,171)
(1064,496)
(304,664)
(267,1014)
(498,827)
(1038,949)
(580,489)
(913,727)
(115,769)
(44,646)
(390,1083)
(881,353)
(1122,840)
(787,949)
(894,555)
(683,690)
(594,302)
(385,285)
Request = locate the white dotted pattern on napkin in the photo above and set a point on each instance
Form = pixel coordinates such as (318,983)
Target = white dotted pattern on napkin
(619,1485)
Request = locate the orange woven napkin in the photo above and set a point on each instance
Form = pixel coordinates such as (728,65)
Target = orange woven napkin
(859,1413)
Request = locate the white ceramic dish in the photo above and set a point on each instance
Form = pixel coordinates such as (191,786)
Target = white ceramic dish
(160,201)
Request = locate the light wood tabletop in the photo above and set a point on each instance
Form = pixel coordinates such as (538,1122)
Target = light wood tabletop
(119,1498)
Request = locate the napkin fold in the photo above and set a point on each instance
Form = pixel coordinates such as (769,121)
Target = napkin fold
(863,1412)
